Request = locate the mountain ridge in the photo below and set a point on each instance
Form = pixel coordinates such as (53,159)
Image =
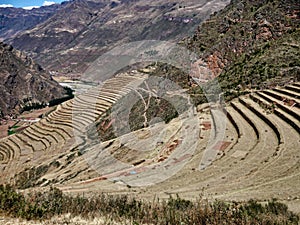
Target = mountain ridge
(65,44)
(15,20)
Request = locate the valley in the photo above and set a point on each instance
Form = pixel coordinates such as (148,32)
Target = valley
(99,100)
(258,154)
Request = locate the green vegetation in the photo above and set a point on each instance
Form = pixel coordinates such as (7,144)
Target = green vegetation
(182,79)
(250,45)
(35,105)
(274,63)
(69,95)
(30,176)
(158,108)
(12,130)
(123,208)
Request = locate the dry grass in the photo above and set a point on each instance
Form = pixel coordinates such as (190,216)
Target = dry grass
(53,207)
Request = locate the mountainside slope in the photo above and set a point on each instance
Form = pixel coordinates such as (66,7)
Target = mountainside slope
(251,44)
(83,30)
(241,28)
(23,83)
(15,20)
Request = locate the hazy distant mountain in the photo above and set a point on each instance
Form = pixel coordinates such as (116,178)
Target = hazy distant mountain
(77,34)
(15,20)
(23,83)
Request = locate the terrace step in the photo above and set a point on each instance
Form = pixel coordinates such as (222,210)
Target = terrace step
(85,116)
(287,92)
(13,141)
(29,137)
(117,86)
(92,102)
(106,96)
(9,151)
(14,146)
(292,117)
(48,137)
(283,99)
(247,137)
(255,108)
(59,124)
(293,88)
(88,112)
(246,118)
(63,123)
(286,155)
(55,128)
(235,168)
(117,93)
(123,80)
(6,149)
(253,149)
(26,146)
(98,106)
(3,156)
(68,118)
(44,132)
(221,134)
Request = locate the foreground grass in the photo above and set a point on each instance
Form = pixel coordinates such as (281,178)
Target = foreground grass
(41,206)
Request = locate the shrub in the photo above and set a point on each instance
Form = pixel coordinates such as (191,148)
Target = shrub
(122,208)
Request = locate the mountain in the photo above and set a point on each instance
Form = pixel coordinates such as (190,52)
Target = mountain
(23,83)
(246,46)
(83,30)
(15,20)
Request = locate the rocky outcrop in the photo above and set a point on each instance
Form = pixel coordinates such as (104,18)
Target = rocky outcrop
(23,83)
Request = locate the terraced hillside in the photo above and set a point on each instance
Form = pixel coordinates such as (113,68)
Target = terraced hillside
(55,133)
(257,156)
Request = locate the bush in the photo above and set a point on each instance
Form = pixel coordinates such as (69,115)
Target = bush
(40,205)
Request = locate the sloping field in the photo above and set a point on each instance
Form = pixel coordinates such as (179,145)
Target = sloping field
(258,155)
(52,135)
